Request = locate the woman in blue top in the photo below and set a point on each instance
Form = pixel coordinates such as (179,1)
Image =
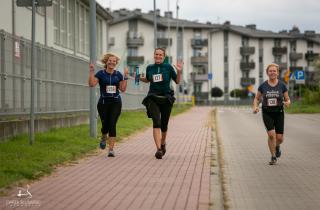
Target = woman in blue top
(274,94)
(160,98)
(111,82)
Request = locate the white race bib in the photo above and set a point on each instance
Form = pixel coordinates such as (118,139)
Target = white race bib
(111,89)
(272,102)
(157,77)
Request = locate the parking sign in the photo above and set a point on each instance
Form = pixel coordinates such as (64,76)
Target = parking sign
(299,76)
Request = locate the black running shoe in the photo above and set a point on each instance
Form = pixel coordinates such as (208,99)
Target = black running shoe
(159,154)
(103,143)
(278,151)
(111,153)
(273,161)
(163,149)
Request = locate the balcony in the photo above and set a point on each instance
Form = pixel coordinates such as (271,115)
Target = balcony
(134,39)
(199,77)
(282,65)
(276,51)
(246,50)
(310,56)
(135,60)
(294,56)
(245,82)
(199,43)
(164,42)
(199,60)
(246,66)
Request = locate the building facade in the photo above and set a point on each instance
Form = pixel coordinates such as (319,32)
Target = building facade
(215,55)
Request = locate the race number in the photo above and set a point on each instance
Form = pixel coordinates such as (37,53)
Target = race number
(272,102)
(111,89)
(157,77)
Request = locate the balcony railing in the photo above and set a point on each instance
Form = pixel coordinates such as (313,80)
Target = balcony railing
(294,56)
(164,42)
(135,60)
(246,50)
(282,65)
(310,56)
(134,39)
(279,50)
(247,81)
(246,66)
(199,43)
(199,60)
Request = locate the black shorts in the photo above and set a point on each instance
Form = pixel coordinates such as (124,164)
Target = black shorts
(273,121)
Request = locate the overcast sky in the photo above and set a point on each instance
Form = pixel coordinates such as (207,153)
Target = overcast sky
(274,15)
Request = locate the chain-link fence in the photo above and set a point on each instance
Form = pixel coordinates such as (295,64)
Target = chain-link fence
(60,80)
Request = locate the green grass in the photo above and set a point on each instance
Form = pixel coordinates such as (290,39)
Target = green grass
(302,108)
(21,161)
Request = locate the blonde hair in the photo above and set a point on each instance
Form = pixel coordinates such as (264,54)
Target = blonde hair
(273,64)
(106,57)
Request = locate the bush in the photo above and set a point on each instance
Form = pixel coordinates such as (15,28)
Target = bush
(311,97)
(216,92)
(239,93)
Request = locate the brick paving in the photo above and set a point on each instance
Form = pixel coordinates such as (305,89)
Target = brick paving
(135,179)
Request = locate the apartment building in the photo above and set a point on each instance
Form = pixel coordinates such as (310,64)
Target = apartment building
(239,55)
(234,56)
(132,37)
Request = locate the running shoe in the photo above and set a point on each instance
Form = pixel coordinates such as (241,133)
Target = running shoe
(111,153)
(159,154)
(103,143)
(163,149)
(273,161)
(278,151)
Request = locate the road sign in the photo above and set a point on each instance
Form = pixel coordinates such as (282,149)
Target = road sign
(210,76)
(299,76)
(39,3)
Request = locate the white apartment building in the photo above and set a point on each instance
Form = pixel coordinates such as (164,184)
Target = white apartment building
(63,26)
(235,56)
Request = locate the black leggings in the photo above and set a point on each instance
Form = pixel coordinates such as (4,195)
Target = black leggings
(160,113)
(109,114)
(273,121)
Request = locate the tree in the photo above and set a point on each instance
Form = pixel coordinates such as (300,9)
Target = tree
(216,92)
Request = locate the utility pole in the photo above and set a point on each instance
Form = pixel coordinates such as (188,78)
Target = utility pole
(177,39)
(155,23)
(93,59)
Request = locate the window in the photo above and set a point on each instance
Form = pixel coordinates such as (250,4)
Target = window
(197,33)
(245,41)
(63,22)
(293,46)
(277,42)
(132,51)
(310,44)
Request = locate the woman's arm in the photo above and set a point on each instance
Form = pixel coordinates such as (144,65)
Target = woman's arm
(179,70)
(256,102)
(92,81)
(287,101)
(123,83)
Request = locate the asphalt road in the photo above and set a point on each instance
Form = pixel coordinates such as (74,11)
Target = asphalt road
(294,183)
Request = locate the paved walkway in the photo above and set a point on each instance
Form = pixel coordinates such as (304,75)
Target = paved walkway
(135,179)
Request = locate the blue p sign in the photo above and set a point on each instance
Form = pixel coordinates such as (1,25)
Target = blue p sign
(300,76)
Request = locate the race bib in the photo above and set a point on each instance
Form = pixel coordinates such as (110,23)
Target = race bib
(157,77)
(272,102)
(111,89)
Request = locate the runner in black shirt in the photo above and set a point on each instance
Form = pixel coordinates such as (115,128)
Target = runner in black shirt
(274,94)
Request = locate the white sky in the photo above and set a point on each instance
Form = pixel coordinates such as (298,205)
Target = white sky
(274,15)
